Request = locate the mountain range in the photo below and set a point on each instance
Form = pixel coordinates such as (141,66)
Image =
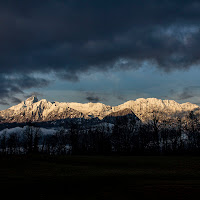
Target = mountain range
(144,109)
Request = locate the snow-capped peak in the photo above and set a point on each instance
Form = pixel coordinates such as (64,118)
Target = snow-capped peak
(44,110)
(31,100)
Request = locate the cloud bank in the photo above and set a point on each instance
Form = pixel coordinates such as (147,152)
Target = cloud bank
(72,37)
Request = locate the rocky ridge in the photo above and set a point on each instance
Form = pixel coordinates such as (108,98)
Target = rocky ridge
(43,110)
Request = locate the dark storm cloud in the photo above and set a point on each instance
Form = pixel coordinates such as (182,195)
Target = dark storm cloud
(32,94)
(186,93)
(15,100)
(13,85)
(74,36)
(121,97)
(4,102)
(27,82)
(77,36)
(92,97)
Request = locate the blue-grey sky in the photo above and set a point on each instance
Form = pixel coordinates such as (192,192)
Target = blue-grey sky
(99,51)
(115,87)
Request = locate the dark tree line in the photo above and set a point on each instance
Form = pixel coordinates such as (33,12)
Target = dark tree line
(125,137)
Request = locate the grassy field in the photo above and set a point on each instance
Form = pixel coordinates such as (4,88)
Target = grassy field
(75,177)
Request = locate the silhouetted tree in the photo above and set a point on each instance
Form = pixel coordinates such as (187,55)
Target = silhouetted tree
(13,143)
(74,138)
(3,139)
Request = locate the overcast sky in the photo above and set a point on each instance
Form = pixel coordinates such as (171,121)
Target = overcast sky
(99,50)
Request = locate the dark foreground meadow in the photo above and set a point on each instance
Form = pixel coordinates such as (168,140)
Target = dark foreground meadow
(98,177)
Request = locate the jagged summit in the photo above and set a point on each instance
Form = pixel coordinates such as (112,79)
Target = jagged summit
(31,100)
(43,110)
